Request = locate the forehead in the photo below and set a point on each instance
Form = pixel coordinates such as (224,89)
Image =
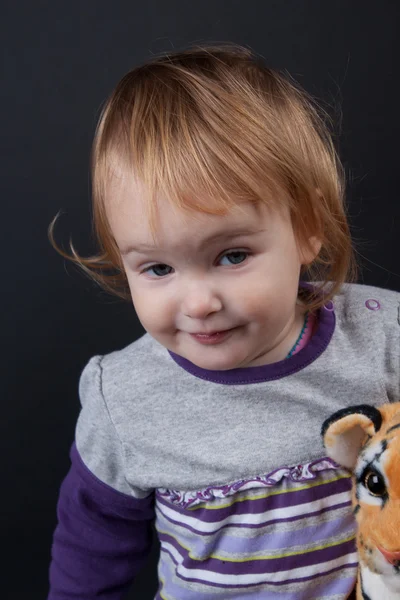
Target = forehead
(135,216)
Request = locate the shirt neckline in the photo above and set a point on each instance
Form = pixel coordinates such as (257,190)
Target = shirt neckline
(245,375)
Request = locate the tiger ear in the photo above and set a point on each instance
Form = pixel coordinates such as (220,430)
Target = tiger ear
(346,431)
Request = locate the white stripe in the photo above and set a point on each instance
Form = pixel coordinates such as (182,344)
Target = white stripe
(256,578)
(254,519)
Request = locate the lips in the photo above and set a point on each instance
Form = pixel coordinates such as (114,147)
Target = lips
(393,558)
(213,337)
(209,334)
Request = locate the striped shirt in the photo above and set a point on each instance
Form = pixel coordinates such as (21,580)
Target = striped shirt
(274,536)
(229,466)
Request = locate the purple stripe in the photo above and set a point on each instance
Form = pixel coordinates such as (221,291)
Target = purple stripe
(266,542)
(260,505)
(235,585)
(271,565)
(338,586)
(283,475)
(261,524)
(283,368)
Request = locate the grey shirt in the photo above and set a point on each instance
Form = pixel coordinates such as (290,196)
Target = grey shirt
(151,419)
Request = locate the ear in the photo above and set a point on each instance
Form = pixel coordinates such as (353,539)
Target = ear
(309,251)
(346,431)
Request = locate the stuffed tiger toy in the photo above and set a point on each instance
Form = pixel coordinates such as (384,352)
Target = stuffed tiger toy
(366,440)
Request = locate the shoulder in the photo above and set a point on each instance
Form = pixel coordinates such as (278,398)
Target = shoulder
(142,356)
(368,329)
(363,302)
(145,349)
(133,365)
(368,318)
(105,394)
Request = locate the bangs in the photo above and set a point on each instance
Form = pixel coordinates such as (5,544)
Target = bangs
(189,141)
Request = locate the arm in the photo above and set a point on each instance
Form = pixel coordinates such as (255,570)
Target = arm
(102,539)
(103,536)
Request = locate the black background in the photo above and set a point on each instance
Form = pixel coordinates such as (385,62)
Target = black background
(60,61)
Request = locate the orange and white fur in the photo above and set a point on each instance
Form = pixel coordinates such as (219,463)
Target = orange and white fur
(366,440)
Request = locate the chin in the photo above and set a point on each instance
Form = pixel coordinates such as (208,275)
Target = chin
(216,364)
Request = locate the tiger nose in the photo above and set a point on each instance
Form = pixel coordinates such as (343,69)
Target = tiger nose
(392,557)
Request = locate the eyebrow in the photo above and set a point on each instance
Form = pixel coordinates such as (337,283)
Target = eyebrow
(220,235)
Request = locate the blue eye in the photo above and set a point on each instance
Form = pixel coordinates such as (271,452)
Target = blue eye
(234,258)
(159,270)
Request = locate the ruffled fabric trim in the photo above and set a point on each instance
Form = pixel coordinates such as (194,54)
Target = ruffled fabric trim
(297,473)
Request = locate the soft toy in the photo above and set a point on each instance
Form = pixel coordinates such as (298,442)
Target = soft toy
(366,440)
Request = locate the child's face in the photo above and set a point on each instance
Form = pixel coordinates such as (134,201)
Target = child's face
(220,291)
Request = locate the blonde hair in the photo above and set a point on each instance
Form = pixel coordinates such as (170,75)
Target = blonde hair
(210,127)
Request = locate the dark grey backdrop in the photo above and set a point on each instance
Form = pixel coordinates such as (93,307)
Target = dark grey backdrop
(59,62)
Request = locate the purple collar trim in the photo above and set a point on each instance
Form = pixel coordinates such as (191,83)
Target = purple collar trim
(283,368)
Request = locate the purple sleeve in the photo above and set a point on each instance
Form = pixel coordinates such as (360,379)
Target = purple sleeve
(102,539)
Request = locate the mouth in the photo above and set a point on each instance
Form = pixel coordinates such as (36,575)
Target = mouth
(214,337)
(393,558)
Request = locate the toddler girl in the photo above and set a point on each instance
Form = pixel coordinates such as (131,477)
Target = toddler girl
(217,194)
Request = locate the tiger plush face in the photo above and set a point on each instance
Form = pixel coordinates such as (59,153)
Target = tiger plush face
(366,440)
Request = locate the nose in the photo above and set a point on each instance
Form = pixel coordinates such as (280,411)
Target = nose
(200,300)
(392,557)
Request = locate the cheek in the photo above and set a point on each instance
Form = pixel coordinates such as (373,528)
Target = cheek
(152,309)
(264,296)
